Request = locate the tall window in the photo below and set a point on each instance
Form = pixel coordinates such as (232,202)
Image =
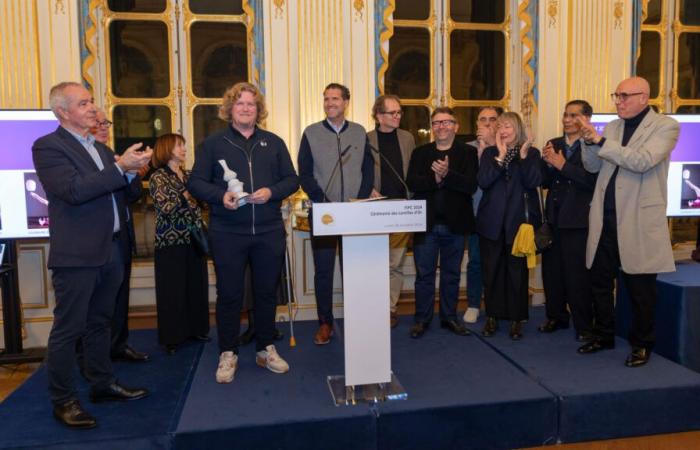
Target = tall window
(671,27)
(476,58)
(686,66)
(217,57)
(411,71)
(652,51)
(139,70)
(169,62)
(470,36)
(669,57)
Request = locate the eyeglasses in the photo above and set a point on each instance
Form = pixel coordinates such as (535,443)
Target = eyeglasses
(104,123)
(485,119)
(397,113)
(623,96)
(443,123)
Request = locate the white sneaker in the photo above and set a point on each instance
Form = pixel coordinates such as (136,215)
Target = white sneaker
(228,363)
(270,359)
(471,314)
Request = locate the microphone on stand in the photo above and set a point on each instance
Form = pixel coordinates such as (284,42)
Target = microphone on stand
(393,170)
(338,163)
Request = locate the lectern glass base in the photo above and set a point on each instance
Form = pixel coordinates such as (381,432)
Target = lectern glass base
(365,393)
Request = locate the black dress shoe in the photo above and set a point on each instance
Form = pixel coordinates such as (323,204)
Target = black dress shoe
(638,357)
(551,326)
(516,330)
(595,345)
(277,335)
(71,414)
(248,336)
(393,320)
(585,336)
(418,329)
(455,327)
(170,349)
(490,327)
(130,355)
(117,392)
(202,338)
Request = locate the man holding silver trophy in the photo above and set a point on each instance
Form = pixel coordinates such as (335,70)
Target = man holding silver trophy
(245,228)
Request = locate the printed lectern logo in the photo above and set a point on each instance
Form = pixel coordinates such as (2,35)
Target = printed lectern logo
(327,219)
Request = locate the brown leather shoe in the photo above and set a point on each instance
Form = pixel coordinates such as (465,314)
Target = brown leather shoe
(323,335)
(393,320)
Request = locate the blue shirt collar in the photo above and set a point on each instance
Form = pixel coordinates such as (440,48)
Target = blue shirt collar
(337,129)
(88,141)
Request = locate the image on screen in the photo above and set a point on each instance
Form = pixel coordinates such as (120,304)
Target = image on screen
(684,172)
(23,204)
(690,189)
(36,202)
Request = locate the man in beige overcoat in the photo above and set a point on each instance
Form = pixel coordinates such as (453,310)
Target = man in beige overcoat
(628,226)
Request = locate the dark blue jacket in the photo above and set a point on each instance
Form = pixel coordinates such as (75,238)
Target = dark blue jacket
(260,161)
(81,212)
(502,207)
(570,190)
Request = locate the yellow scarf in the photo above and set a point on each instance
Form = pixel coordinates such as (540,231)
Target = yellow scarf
(524,244)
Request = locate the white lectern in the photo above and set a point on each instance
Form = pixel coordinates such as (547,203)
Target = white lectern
(365,227)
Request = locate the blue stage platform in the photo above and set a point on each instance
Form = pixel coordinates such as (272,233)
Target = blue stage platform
(677,314)
(463,392)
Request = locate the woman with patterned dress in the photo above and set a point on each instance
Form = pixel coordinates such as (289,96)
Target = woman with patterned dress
(180,271)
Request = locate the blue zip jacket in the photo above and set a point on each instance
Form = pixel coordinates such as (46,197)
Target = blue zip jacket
(260,161)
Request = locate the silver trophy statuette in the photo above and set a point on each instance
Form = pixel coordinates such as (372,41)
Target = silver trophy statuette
(234,184)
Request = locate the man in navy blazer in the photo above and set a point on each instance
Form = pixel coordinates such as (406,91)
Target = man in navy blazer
(87,188)
(564,273)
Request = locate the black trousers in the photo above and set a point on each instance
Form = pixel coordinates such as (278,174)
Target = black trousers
(505,280)
(231,253)
(641,288)
(324,251)
(182,293)
(567,280)
(85,298)
(120,321)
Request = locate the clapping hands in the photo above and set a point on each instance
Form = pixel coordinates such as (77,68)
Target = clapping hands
(440,167)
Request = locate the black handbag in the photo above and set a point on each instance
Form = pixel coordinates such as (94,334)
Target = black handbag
(198,231)
(544,236)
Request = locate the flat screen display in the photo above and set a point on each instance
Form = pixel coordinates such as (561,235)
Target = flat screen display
(684,171)
(24,209)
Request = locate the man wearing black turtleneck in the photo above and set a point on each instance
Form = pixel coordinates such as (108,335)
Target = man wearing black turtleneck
(627,221)
(394,147)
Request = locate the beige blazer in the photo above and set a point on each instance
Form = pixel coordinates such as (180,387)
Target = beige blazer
(640,192)
(406,142)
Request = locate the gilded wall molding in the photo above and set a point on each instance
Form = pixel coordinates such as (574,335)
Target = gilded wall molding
(384,30)
(33,281)
(59,7)
(88,41)
(20,79)
(279,9)
(359,6)
(592,74)
(256,41)
(321,56)
(618,13)
(552,13)
(527,14)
